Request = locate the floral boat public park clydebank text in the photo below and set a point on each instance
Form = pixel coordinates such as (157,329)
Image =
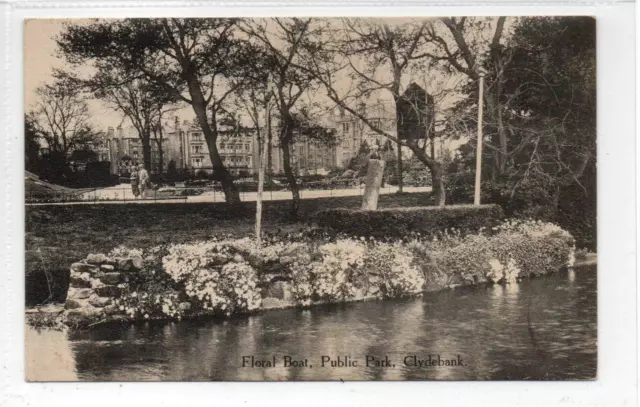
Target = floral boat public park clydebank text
(222,277)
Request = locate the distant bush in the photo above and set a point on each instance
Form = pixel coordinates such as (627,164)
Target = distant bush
(399,222)
(575,210)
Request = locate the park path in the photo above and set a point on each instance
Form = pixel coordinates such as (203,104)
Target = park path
(122,195)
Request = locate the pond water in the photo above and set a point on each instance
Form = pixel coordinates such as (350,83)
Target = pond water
(541,329)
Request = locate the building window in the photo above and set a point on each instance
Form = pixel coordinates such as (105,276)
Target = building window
(222,146)
(196,162)
(248,147)
(345,128)
(196,136)
(197,149)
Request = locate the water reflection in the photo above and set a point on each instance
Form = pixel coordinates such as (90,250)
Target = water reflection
(539,329)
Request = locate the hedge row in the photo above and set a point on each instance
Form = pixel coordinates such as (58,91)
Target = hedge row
(399,222)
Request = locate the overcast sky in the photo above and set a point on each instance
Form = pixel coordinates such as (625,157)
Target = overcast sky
(40,60)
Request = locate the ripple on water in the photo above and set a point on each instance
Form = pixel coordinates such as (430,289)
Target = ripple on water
(542,329)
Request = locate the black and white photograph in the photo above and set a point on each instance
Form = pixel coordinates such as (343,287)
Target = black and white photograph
(310,199)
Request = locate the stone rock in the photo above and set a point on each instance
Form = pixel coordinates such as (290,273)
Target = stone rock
(51,309)
(110,278)
(124,264)
(274,303)
(100,302)
(111,310)
(72,304)
(84,312)
(79,293)
(184,306)
(137,262)
(111,261)
(82,268)
(78,282)
(95,283)
(96,258)
(373,180)
(107,267)
(361,292)
(109,291)
(274,276)
(280,290)
(286,260)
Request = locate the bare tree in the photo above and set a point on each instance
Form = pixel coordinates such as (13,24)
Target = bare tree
(61,118)
(193,59)
(379,58)
(281,42)
(458,46)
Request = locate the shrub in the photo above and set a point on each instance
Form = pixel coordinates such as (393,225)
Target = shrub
(227,276)
(514,249)
(215,276)
(392,268)
(400,222)
(337,274)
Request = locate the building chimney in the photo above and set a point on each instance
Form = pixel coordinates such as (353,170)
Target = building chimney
(120,132)
(110,132)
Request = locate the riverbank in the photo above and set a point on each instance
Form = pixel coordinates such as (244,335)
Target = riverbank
(56,236)
(501,332)
(226,277)
(52,316)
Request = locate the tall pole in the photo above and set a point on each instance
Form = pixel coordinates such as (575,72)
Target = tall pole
(261,169)
(400,183)
(476,200)
(263,162)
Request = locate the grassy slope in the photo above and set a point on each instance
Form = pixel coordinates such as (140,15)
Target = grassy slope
(33,186)
(57,236)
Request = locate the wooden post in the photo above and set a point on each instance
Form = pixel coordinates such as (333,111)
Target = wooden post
(373,180)
(476,200)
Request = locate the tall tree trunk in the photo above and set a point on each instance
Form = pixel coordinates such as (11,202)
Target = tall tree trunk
(400,180)
(433,147)
(160,157)
(231,194)
(499,138)
(437,175)
(270,147)
(396,99)
(146,152)
(291,178)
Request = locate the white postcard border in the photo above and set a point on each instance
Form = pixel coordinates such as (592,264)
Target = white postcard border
(616,384)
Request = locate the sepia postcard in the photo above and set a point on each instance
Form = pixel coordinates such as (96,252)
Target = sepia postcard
(310,199)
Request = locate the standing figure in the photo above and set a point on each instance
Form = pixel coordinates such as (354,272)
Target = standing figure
(143,175)
(135,181)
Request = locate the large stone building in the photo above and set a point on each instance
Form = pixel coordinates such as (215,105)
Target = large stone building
(185,145)
(124,148)
(236,148)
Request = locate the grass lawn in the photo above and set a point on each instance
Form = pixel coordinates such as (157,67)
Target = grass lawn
(57,236)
